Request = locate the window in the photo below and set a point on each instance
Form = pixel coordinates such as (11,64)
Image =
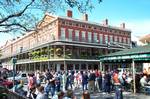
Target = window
(89,37)
(124,40)
(120,39)
(63,22)
(83,36)
(77,24)
(70,23)
(77,66)
(106,38)
(70,67)
(83,25)
(83,66)
(70,34)
(128,41)
(111,38)
(62,35)
(95,38)
(116,39)
(76,35)
(101,38)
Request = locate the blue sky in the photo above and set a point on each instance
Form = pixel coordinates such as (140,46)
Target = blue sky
(135,13)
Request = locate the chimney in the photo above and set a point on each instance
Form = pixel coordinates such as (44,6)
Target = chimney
(122,25)
(85,17)
(105,22)
(69,13)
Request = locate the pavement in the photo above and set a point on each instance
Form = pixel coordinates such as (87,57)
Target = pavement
(100,95)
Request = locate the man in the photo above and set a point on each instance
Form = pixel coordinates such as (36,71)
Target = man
(143,81)
(145,84)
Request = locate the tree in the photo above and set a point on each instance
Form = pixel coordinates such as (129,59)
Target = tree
(23,15)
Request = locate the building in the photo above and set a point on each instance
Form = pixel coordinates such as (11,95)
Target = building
(146,41)
(65,43)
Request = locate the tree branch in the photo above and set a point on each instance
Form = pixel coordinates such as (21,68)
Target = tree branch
(16,14)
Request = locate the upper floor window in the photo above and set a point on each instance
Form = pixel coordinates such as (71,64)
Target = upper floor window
(70,34)
(124,40)
(106,38)
(116,39)
(89,37)
(83,36)
(111,38)
(63,34)
(120,39)
(76,35)
(101,38)
(95,38)
(128,40)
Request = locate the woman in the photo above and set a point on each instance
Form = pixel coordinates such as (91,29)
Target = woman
(41,94)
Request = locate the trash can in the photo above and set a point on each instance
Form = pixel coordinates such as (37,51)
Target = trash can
(118,93)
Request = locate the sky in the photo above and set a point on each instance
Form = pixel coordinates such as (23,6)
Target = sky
(134,13)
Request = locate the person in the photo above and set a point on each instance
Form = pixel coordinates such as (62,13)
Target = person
(143,81)
(91,81)
(47,87)
(84,81)
(69,81)
(145,85)
(144,71)
(52,84)
(41,94)
(64,78)
(57,82)
(107,82)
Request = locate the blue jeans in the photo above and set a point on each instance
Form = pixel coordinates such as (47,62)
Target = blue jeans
(84,86)
(58,87)
(118,92)
(52,90)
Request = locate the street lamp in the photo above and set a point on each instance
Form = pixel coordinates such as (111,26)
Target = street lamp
(14,61)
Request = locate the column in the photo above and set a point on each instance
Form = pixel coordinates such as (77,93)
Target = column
(64,50)
(103,68)
(34,66)
(79,66)
(48,65)
(100,66)
(134,84)
(74,67)
(26,67)
(86,66)
(40,66)
(29,66)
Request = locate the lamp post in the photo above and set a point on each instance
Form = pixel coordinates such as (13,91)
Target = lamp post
(14,61)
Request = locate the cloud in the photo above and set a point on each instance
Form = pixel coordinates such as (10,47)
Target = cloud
(139,28)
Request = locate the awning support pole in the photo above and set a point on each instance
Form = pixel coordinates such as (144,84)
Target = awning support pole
(134,83)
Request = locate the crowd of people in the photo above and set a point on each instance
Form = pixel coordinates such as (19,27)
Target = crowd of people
(52,84)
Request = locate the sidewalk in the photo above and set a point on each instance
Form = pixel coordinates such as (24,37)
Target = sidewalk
(126,95)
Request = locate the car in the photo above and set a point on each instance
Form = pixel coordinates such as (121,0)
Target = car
(4,92)
(6,83)
(20,77)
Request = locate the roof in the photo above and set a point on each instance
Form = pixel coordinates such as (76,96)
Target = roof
(133,51)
